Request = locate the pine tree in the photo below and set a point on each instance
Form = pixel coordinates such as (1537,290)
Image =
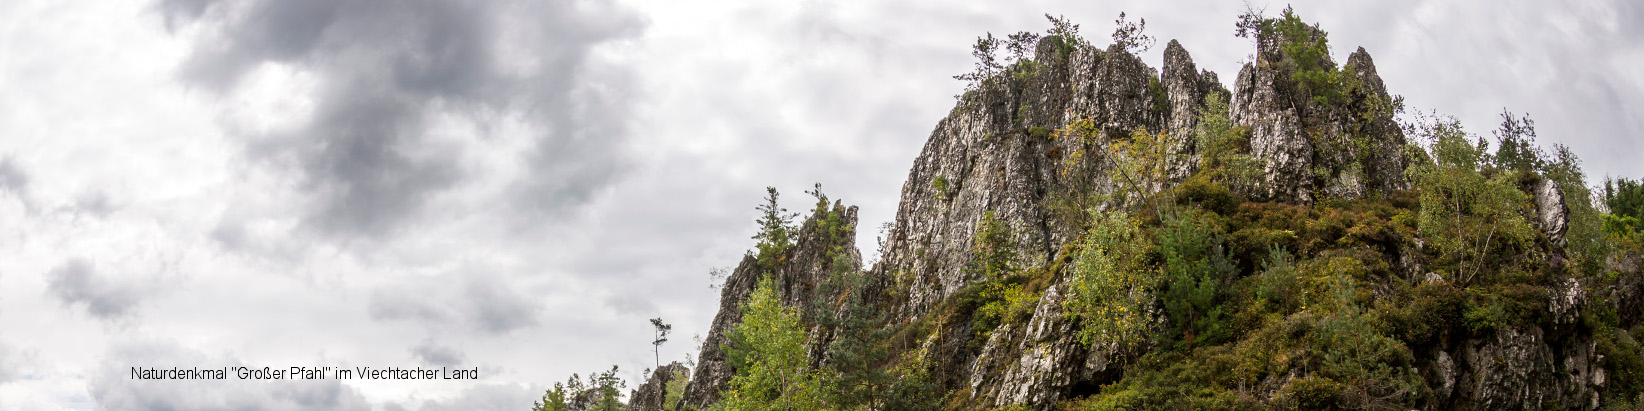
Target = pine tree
(776,230)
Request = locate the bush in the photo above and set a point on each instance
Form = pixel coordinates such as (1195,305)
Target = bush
(1200,190)
(998,289)
(1112,288)
(1470,219)
(1625,199)
(940,184)
(767,352)
(1196,267)
(1224,148)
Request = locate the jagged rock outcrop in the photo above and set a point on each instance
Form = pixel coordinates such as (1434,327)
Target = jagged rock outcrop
(1050,360)
(1520,369)
(1626,297)
(1342,151)
(1009,151)
(1551,211)
(653,394)
(801,268)
(1187,89)
(996,164)
(1383,141)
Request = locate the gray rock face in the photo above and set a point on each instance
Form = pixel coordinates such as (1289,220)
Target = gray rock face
(1051,359)
(1520,370)
(1371,117)
(1312,149)
(1626,297)
(1553,214)
(1275,135)
(652,395)
(1566,303)
(1506,371)
(1186,91)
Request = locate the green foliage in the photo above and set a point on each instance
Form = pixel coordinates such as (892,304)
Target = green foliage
(767,351)
(1130,36)
(1042,133)
(675,389)
(1224,148)
(1516,144)
(1625,357)
(608,389)
(1277,285)
(1585,231)
(1308,49)
(995,249)
(1021,63)
(1196,267)
(978,80)
(1473,220)
(1112,288)
(1332,353)
(861,372)
(776,231)
(830,223)
(605,386)
(999,294)
(940,184)
(1200,190)
(1161,96)
(1141,162)
(557,398)
(661,329)
(1063,37)
(1025,70)
(1625,199)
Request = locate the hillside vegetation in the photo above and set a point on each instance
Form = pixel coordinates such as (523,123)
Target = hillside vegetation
(1086,232)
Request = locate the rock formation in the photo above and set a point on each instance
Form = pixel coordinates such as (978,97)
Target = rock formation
(1007,152)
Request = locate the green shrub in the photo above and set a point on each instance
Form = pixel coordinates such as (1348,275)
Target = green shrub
(1200,190)
(675,389)
(767,352)
(940,184)
(1471,219)
(1112,288)
(1224,148)
(1625,199)
(1196,267)
(1276,286)
(1625,362)
(998,285)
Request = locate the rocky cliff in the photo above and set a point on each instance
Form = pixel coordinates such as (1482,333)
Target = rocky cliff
(1033,149)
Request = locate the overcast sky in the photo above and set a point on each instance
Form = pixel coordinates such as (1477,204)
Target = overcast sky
(519,185)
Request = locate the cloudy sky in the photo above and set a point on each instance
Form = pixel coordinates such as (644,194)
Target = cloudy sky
(519,185)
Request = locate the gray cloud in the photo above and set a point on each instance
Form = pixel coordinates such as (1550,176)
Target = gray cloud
(114,389)
(384,69)
(480,302)
(11,364)
(12,178)
(437,355)
(76,282)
